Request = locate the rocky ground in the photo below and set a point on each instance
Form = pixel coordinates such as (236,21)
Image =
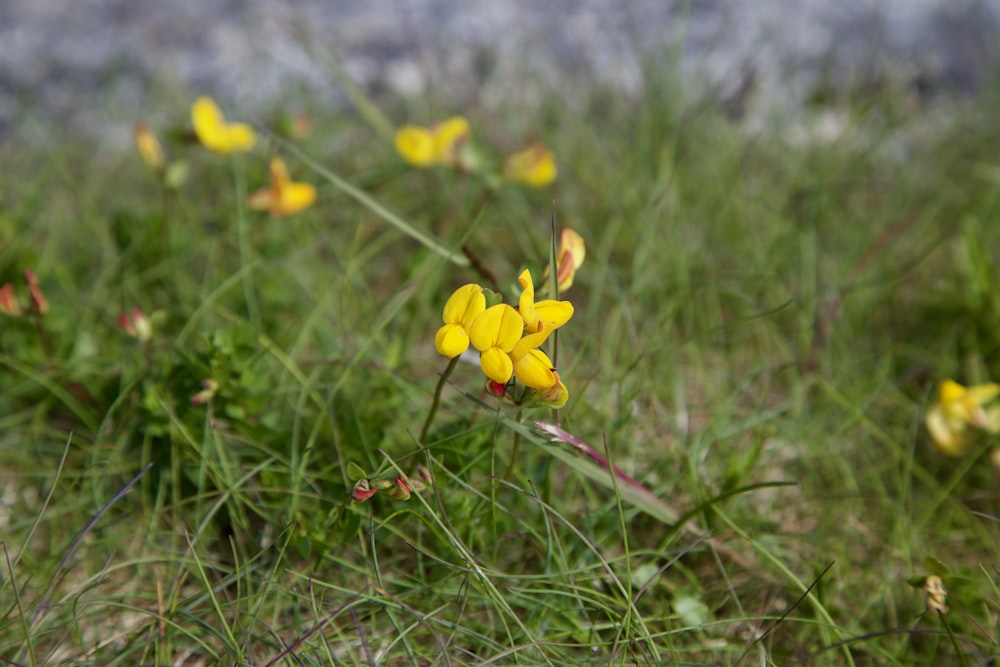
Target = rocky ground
(82,62)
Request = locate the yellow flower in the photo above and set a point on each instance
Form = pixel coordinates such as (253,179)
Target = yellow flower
(284,197)
(569,257)
(550,312)
(959,408)
(462,307)
(494,333)
(149,147)
(532,366)
(437,145)
(534,166)
(215,133)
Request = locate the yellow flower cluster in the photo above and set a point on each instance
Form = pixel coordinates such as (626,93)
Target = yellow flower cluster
(282,198)
(958,411)
(508,339)
(447,144)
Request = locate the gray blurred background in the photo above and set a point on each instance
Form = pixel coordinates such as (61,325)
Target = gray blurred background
(85,63)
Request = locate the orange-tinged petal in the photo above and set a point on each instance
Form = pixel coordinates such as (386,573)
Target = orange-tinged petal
(569,258)
(415,144)
(451,340)
(498,326)
(570,242)
(283,197)
(149,147)
(496,364)
(9,305)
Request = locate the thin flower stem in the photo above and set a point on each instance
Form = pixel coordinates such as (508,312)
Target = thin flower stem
(249,289)
(517,446)
(437,399)
(43,337)
(554,294)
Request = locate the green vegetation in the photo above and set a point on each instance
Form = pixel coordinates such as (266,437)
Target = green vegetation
(760,325)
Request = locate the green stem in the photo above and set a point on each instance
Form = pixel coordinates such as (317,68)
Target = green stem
(513,452)
(242,236)
(437,399)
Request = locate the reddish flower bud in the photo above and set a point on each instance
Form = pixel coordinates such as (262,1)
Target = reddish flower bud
(362,491)
(207,393)
(136,325)
(9,305)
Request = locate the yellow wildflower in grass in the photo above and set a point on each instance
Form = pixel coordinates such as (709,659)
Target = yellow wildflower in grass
(284,196)
(550,312)
(534,166)
(494,333)
(149,148)
(462,307)
(958,408)
(215,133)
(437,145)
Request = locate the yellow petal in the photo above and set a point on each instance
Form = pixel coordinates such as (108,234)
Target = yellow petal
(555,313)
(948,434)
(534,370)
(451,340)
(448,137)
(464,305)
(526,303)
(496,364)
(498,326)
(213,131)
(534,166)
(294,198)
(283,197)
(415,145)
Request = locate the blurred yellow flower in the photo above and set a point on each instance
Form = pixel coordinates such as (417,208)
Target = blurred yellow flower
(534,166)
(958,408)
(284,196)
(215,133)
(464,305)
(550,312)
(437,145)
(149,147)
